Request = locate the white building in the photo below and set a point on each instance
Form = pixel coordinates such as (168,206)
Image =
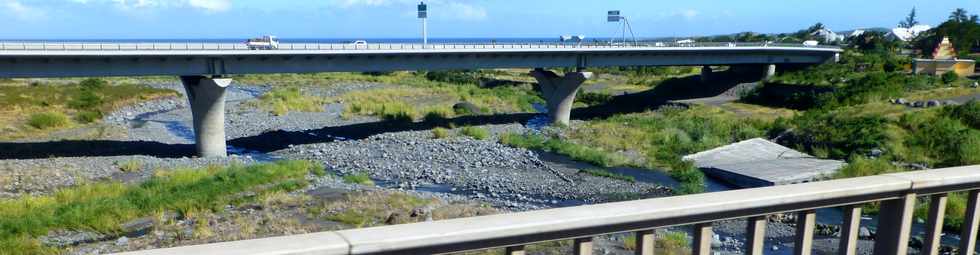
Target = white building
(907,34)
(827,36)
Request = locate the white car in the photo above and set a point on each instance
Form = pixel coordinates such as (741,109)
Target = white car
(811,43)
(359,43)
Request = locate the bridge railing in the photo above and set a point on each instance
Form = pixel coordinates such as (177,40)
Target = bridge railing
(43,46)
(896,193)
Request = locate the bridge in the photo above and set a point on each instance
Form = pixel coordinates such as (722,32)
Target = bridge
(205,68)
(897,194)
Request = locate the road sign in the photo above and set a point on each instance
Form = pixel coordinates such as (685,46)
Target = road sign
(614,16)
(423,11)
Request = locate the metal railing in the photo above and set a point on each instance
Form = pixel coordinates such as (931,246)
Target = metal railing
(199,46)
(897,194)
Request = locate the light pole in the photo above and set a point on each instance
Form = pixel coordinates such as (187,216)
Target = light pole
(424,16)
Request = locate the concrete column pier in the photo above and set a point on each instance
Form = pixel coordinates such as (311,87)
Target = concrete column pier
(207,101)
(559,92)
(770,71)
(706,74)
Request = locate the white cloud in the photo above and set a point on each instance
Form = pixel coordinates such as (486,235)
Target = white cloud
(689,14)
(23,12)
(466,11)
(205,5)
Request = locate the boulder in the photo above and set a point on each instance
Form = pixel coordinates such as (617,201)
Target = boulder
(466,108)
(864,233)
(933,103)
(901,101)
(138,227)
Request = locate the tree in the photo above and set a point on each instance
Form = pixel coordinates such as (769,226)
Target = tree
(959,15)
(816,27)
(909,21)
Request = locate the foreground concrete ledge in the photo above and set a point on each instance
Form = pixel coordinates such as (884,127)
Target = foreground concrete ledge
(942,180)
(324,243)
(501,230)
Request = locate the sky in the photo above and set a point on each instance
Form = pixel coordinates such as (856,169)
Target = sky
(356,19)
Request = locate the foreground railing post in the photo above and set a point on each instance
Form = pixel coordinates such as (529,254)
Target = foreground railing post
(515,250)
(934,224)
(894,226)
(645,242)
(849,230)
(969,236)
(756,235)
(582,246)
(702,239)
(805,222)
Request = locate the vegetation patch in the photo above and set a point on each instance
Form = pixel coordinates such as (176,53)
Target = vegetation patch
(281,101)
(359,178)
(375,208)
(477,133)
(102,207)
(48,120)
(607,174)
(37,108)
(440,133)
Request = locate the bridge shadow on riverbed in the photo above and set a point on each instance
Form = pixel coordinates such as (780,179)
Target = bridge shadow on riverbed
(673,89)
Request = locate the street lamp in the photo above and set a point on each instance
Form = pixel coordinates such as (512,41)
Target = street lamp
(424,16)
(616,16)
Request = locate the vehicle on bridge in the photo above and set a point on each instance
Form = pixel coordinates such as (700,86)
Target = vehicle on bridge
(268,42)
(359,44)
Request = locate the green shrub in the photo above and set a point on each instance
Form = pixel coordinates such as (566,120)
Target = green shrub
(842,135)
(88,116)
(438,115)
(477,133)
(86,100)
(574,151)
(593,99)
(607,174)
(691,178)
(93,84)
(46,120)
(358,178)
(950,77)
(281,101)
(861,166)
(673,241)
(968,113)
(440,133)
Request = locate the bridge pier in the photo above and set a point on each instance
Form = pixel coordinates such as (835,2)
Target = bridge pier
(706,74)
(559,92)
(770,71)
(207,100)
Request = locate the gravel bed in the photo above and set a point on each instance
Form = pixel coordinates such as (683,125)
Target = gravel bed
(42,176)
(480,169)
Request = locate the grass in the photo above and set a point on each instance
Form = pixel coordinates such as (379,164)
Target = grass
(668,243)
(83,101)
(281,101)
(130,166)
(358,178)
(607,174)
(575,151)
(416,96)
(440,133)
(102,207)
(48,120)
(477,133)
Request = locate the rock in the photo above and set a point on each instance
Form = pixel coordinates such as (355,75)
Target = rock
(950,102)
(466,108)
(875,153)
(138,227)
(396,218)
(975,84)
(933,103)
(122,241)
(901,101)
(864,233)
(775,248)
(918,104)
(70,238)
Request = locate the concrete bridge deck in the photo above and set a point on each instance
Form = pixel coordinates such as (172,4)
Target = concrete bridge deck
(204,67)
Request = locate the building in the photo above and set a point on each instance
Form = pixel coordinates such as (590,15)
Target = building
(907,34)
(827,36)
(944,60)
(759,162)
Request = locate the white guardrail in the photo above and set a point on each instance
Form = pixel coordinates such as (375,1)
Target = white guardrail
(41,46)
(896,192)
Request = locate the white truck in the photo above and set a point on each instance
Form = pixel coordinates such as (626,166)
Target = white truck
(268,42)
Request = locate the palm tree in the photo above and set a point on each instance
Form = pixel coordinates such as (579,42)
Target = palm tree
(909,21)
(959,15)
